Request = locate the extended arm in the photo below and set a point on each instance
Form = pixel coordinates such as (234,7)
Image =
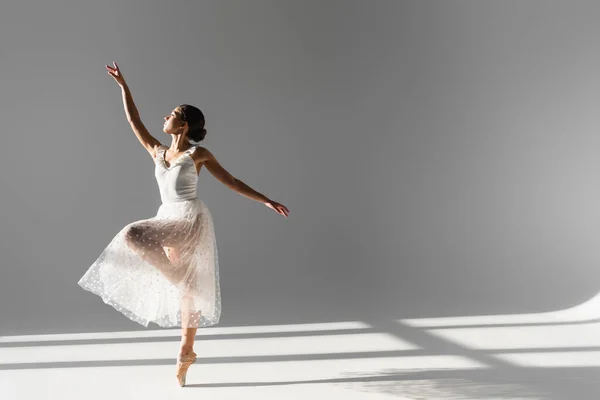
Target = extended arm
(133,117)
(217,170)
(131,112)
(223,176)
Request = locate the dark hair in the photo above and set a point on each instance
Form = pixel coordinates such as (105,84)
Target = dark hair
(195,119)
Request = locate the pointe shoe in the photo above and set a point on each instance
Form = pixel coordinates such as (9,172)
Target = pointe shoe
(183,363)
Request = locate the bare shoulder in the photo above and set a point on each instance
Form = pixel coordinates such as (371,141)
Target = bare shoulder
(202,154)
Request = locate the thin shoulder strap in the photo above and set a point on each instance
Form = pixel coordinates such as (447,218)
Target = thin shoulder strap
(191,149)
(160,151)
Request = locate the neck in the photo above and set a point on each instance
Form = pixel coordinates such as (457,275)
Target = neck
(179,143)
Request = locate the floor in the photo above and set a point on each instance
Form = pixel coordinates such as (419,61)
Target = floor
(553,355)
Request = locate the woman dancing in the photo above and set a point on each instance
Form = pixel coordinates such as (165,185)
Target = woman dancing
(165,269)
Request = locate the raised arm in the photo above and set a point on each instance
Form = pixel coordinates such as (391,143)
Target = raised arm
(223,176)
(133,116)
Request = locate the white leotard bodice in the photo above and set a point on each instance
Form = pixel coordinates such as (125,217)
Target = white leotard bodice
(179,181)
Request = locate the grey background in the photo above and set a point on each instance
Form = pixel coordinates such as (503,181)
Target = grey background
(438,158)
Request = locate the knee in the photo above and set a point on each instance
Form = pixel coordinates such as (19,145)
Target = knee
(133,235)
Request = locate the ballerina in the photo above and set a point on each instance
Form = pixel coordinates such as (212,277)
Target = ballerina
(164,269)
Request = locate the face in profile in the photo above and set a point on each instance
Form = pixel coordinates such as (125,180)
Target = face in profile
(173,122)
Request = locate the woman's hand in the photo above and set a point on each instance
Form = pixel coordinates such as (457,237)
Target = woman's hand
(116,73)
(279,208)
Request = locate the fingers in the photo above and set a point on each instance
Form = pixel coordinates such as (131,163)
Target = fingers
(283,210)
(114,72)
(115,69)
(280,209)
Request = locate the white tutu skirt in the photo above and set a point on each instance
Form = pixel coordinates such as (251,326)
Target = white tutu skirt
(163,269)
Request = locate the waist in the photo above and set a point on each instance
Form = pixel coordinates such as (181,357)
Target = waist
(179,200)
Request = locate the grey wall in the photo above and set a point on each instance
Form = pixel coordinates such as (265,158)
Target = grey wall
(438,158)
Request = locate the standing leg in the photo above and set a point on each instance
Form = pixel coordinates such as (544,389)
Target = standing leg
(187,340)
(189,324)
(170,248)
(186,351)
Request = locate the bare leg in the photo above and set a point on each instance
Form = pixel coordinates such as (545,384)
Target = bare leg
(189,323)
(152,251)
(186,355)
(187,340)
(170,249)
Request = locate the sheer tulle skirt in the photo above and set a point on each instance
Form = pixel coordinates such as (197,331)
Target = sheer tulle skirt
(163,269)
